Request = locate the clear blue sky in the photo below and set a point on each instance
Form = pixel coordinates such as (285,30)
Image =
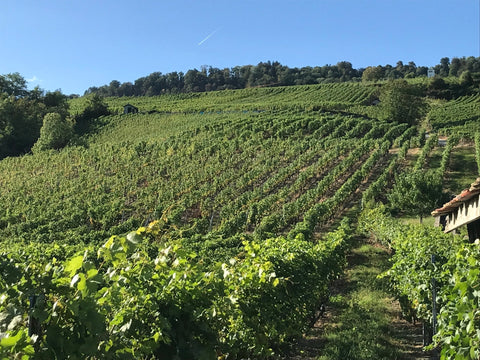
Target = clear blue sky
(75,44)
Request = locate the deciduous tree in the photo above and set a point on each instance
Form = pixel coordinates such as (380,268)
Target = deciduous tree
(416,192)
(55,133)
(401,102)
(372,73)
(96,107)
(13,84)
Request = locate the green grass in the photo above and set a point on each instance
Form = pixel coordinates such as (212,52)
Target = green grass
(462,170)
(428,220)
(435,157)
(363,311)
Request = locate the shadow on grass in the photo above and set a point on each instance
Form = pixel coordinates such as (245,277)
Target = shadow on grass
(361,329)
(362,320)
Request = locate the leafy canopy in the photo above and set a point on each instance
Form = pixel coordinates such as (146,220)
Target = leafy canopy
(401,102)
(55,133)
(417,192)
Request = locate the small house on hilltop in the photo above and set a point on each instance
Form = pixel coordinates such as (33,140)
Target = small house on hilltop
(130,109)
(464,209)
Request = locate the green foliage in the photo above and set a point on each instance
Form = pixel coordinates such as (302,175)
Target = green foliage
(459,114)
(225,171)
(321,211)
(56,102)
(20,123)
(362,326)
(456,271)
(55,133)
(438,88)
(477,150)
(373,73)
(451,143)
(417,192)
(451,88)
(21,114)
(429,145)
(466,78)
(377,187)
(137,299)
(401,102)
(95,108)
(273,74)
(13,84)
(412,269)
(459,329)
(297,98)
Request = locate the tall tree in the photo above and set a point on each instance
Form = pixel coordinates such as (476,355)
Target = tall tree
(401,102)
(195,81)
(466,78)
(20,122)
(13,84)
(96,107)
(444,66)
(126,89)
(372,73)
(454,67)
(416,192)
(57,102)
(114,85)
(55,133)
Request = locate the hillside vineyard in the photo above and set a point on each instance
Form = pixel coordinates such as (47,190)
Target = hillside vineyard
(185,229)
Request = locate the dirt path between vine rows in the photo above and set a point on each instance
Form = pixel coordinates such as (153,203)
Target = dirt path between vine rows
(362,319)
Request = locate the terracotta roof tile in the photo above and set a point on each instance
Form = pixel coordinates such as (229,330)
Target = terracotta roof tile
(465,195)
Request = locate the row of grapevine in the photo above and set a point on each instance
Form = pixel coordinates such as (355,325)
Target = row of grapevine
(215,171)
(299,97)
(261,198)
(225,173)
(138,298)
(247,99)
(451,143)
(477,150)
(321,211)
(276,220)
(426,150)
(456,114)
(455,271)
(308,172)
(378,186)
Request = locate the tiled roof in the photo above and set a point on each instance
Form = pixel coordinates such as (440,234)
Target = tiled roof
(465,195)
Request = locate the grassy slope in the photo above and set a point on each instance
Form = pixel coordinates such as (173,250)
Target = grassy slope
(135,168)
(305,96)
(190,154)
(187,162)
(462,169)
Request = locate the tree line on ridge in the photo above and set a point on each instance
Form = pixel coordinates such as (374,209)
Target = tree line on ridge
(269,73)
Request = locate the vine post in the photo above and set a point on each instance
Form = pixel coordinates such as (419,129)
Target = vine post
(434,301)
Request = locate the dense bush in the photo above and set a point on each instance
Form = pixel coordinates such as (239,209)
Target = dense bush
(55,133)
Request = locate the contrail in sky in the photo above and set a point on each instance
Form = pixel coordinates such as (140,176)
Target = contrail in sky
(208,37)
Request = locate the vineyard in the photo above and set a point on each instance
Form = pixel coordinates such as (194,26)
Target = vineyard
(184,230)
(462,112)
